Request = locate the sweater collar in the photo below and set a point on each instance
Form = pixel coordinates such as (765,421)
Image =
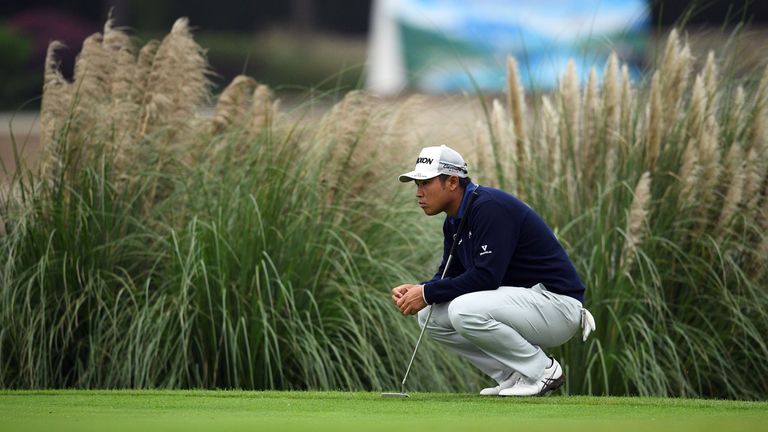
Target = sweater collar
(464,200)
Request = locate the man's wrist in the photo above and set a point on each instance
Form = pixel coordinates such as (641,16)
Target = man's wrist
(424,293)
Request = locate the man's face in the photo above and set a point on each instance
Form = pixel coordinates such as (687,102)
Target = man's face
(433,195)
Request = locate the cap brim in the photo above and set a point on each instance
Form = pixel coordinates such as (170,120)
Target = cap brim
(415,175)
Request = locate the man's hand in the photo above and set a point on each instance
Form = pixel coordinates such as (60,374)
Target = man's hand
(399,291)
(409,298)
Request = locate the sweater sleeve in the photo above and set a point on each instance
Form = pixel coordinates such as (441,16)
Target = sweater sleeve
(494,239)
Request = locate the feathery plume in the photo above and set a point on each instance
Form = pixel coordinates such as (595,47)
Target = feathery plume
(611,98)
(143,68)
(115,39)
(674,71)
(403,128)
(668,66)
(570,95)
(709,146)
(177,84)
(348,125)
(710,83)
(612,114)
(679,85)
(611,162)
(54,110)
(762,250)
(637,221)
(709,158)
(233,104)
(755,176)
(503,130)
(123,84)
(57,97)
(671,50)
(690,173)
(263,109)
(627,99)
(735,121)
(698,109)
(505,156)
(550,137)
(123,110)
(734,161)
(591,117)
(640,131)
(733,199)
(655,123)
(756,135)
(93,70)
(516,105)
(481,144)
(117,45)
(142,109)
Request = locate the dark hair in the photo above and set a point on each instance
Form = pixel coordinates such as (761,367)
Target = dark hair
(463,181)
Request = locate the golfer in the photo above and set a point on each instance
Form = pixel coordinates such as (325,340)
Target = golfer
(510,289)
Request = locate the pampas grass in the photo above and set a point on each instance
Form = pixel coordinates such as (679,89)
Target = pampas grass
(229,251)
(611,101)
(233,104)
(637,223)
(516,104)
(673,225)
(254,248)
(176,84)
(570,105)
(55,108)
(656,120)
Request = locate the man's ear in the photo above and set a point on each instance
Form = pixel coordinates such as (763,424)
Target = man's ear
(454,182)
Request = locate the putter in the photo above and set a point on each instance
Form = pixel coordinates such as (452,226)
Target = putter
(456,237)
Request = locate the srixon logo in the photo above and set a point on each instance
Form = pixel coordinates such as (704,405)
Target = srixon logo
(424,160)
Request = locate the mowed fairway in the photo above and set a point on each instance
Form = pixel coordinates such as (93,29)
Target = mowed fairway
(339,411)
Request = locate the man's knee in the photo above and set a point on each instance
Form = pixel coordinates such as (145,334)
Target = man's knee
(422,316)
(439,325)
(467,314)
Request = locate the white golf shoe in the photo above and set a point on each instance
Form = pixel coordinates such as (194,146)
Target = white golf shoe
(504,385)
(552,379)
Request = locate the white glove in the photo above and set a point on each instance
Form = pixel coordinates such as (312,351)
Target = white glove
(587,324)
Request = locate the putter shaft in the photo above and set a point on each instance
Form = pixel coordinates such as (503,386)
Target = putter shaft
(445,271)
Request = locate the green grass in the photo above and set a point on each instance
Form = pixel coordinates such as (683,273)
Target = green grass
(239,410)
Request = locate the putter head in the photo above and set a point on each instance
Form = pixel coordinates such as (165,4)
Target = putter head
(395,395)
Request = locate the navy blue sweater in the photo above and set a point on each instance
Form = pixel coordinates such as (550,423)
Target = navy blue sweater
(504,244)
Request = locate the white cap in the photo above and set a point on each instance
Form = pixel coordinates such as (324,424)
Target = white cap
(433,161)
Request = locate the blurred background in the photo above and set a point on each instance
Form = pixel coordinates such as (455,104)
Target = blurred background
(298,45)
(392,47)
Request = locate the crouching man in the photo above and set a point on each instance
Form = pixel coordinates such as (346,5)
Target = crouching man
(510,289)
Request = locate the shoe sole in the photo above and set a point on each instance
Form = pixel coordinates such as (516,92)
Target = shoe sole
(552,386)
(548,388)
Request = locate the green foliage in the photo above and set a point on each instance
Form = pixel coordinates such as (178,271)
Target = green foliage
(245,272)
(669,239)
(15,50)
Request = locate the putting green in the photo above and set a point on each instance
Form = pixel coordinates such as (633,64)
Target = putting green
(341,411)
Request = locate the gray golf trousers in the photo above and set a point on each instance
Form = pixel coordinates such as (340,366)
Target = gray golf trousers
(504,330)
